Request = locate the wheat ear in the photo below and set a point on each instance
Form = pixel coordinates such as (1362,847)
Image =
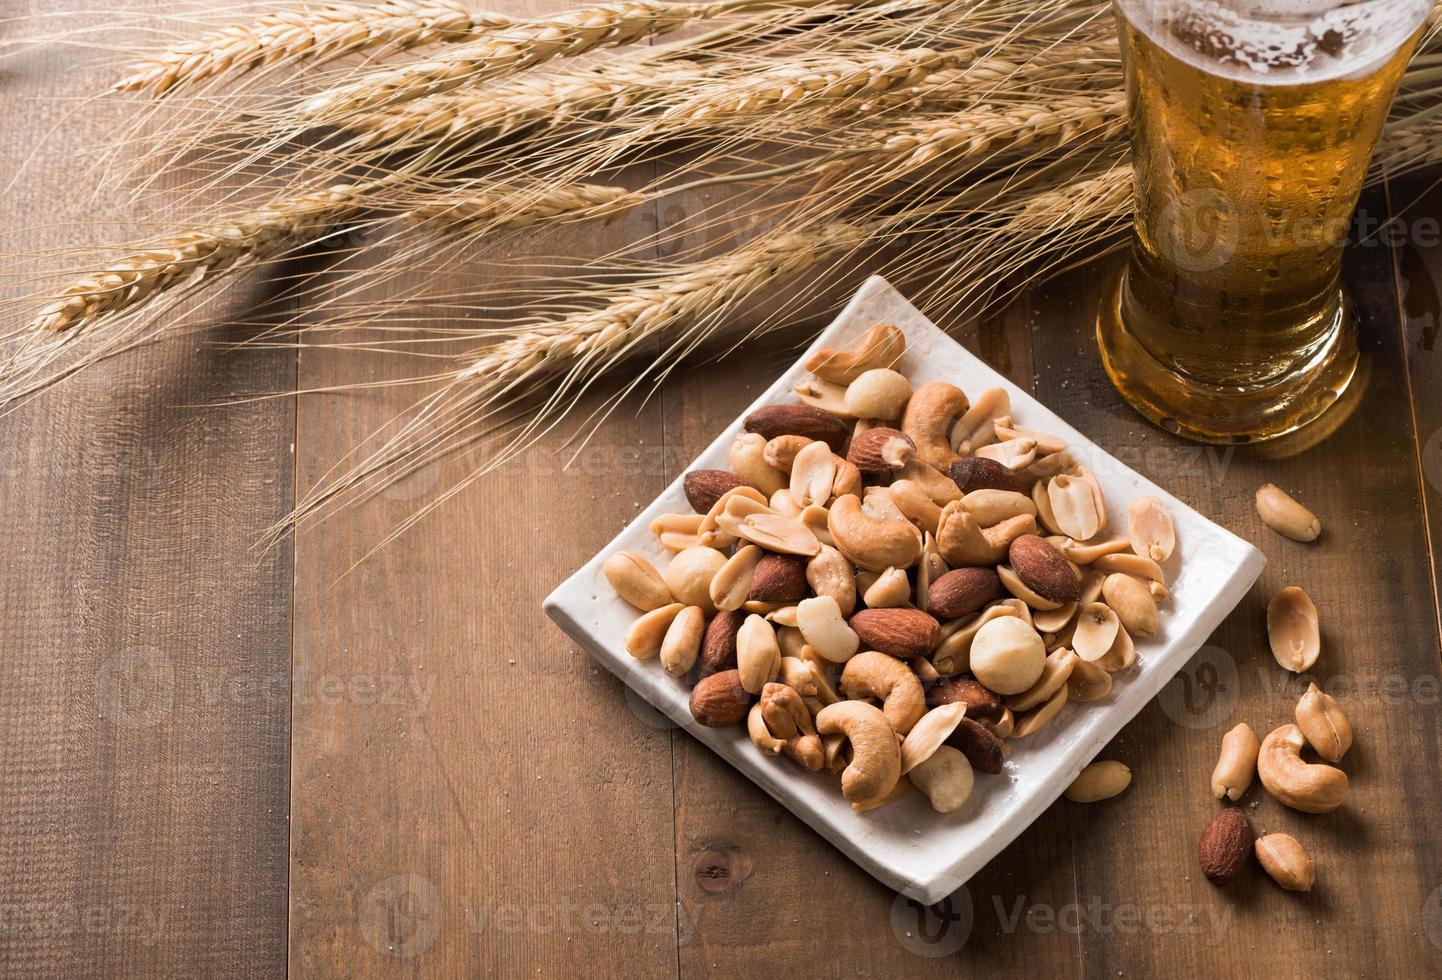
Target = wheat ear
(489,209)
(834,82)
(138,278)
(566,354)
(517,103)
(984,130)
(521,45)
(306,34)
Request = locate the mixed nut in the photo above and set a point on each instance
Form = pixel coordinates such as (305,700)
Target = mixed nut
(1308,787)
(890,583)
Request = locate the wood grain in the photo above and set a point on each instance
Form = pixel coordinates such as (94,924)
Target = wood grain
(760,887)
(1372,584)
(144,713)
(509,809)
(468,794)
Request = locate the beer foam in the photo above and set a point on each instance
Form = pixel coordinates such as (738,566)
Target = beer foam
(1279,42)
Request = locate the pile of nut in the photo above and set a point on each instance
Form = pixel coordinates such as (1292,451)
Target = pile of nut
(1293,633)
(892,582)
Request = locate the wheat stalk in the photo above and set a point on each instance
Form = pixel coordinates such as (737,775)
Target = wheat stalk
(486,210)
(834,83)
(277,227)
(306,34)
(565,355)
(518,103)
(521,45)
(138,278)
(983,131)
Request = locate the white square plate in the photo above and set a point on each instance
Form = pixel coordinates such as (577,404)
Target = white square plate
(907,845)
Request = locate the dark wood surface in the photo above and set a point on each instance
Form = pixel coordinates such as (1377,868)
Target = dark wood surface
(219,761)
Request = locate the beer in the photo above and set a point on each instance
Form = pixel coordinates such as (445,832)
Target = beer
(1252,130)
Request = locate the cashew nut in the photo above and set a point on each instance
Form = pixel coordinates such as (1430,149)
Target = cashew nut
(871,674)
(1237,763)
(880,347)
(933,408)
(825,630)
(946,778)
(1311,788)
(875,766)
(873,544)
(963,541)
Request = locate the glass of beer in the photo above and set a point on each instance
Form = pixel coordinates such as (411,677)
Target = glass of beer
(1253,125)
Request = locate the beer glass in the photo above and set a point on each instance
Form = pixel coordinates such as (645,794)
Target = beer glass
(1253,124)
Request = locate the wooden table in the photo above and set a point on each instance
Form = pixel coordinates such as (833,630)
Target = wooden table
(219,761)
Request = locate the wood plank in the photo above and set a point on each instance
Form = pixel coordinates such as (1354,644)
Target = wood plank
(764,894)
(508,810)
(1415,201)
(144,737)
(1369,577)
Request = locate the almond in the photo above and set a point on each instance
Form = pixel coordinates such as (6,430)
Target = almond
(980,473)
(980,701)
(779,578)
(982,749)
(1043,568)
(881,451)
(798,420)
(903,633)
(718,648)
(705,487)
(962,591)
(720,700)
(1226,845)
